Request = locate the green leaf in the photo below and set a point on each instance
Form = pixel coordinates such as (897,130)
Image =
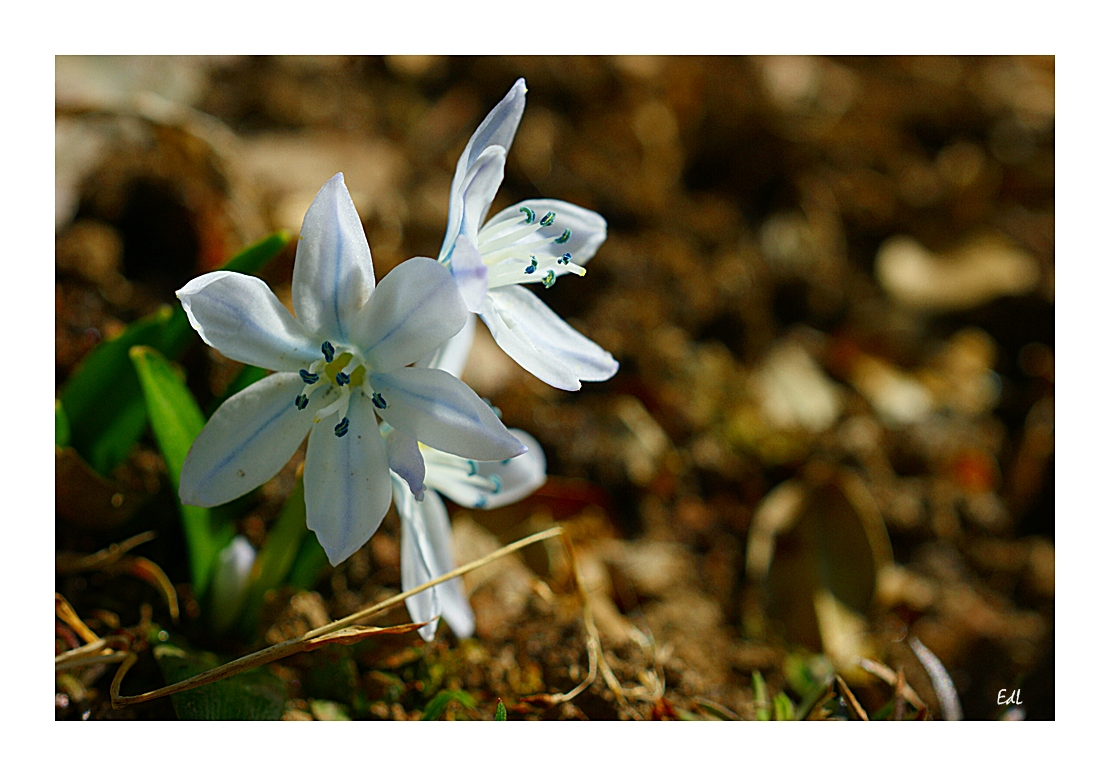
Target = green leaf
(310,563)
(252,695)
(176,420)
(102,399)
(102,396)
(437,705)
(500,715)
(783,708)
(759,690)
(277,555)
(61,425)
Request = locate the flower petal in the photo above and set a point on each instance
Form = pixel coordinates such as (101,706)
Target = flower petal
(428,554)
(346,481)
(588,230)
(405,459)
(471,201)
(442,412)
(497,129)
(494,483)
(239,316)
(452,356)
(470,273)
(333,274)
(246,442)
(414,310)
(542,342)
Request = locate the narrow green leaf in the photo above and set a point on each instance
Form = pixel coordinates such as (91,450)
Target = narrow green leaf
(252,695)
(176,420)
(61,425)
(437,705)
(277,555)
(783,707)
(102,398)
(500,715)
(309,565)
(99,394)
(759,690)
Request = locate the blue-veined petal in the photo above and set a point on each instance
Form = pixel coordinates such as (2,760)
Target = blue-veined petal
(471,201)
(588,230)
(497,129)
(239,316)
(470,273)
(246,442)
(346,481)
(333,275)
(426,553)
(542,342)
(494,483)
(416,559)
(414,310)
(452,356)
(405,459)
(442,412)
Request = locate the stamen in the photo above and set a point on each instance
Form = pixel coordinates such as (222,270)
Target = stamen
(342,378)
(309,377)
(529,214)
(378,401)
(549,279)
(343,426)
(563,237)
(481,502)
(532,267)
(328,350)
(473,467)
(301,401)
(565,259)
(548,220)
(496,483)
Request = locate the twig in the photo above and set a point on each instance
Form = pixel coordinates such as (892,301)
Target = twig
(890,677)
(853,704)
(300,643)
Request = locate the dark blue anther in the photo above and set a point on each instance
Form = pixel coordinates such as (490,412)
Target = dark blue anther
(342,427)
(548,220)
(481,502)
(342,378)
(549,279)
(563,237)
(379,401)
(531,267)
(565,259)
(473,468)
(529,214)
(496,483)
(328,350)
(301,401)
(309,377)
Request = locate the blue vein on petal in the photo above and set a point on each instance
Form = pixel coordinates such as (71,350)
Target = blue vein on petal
(335,275)
(246,322)
(413,309)
(436,401)
(547,346)
(238,449)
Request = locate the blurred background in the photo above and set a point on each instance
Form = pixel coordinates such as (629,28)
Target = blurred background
(829,283)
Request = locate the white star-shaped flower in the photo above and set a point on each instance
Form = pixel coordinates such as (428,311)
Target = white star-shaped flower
(535,241)
(339,365)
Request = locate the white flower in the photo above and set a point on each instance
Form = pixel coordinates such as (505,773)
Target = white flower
(343,359)
(426,531)
(535,241)
(229,582)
